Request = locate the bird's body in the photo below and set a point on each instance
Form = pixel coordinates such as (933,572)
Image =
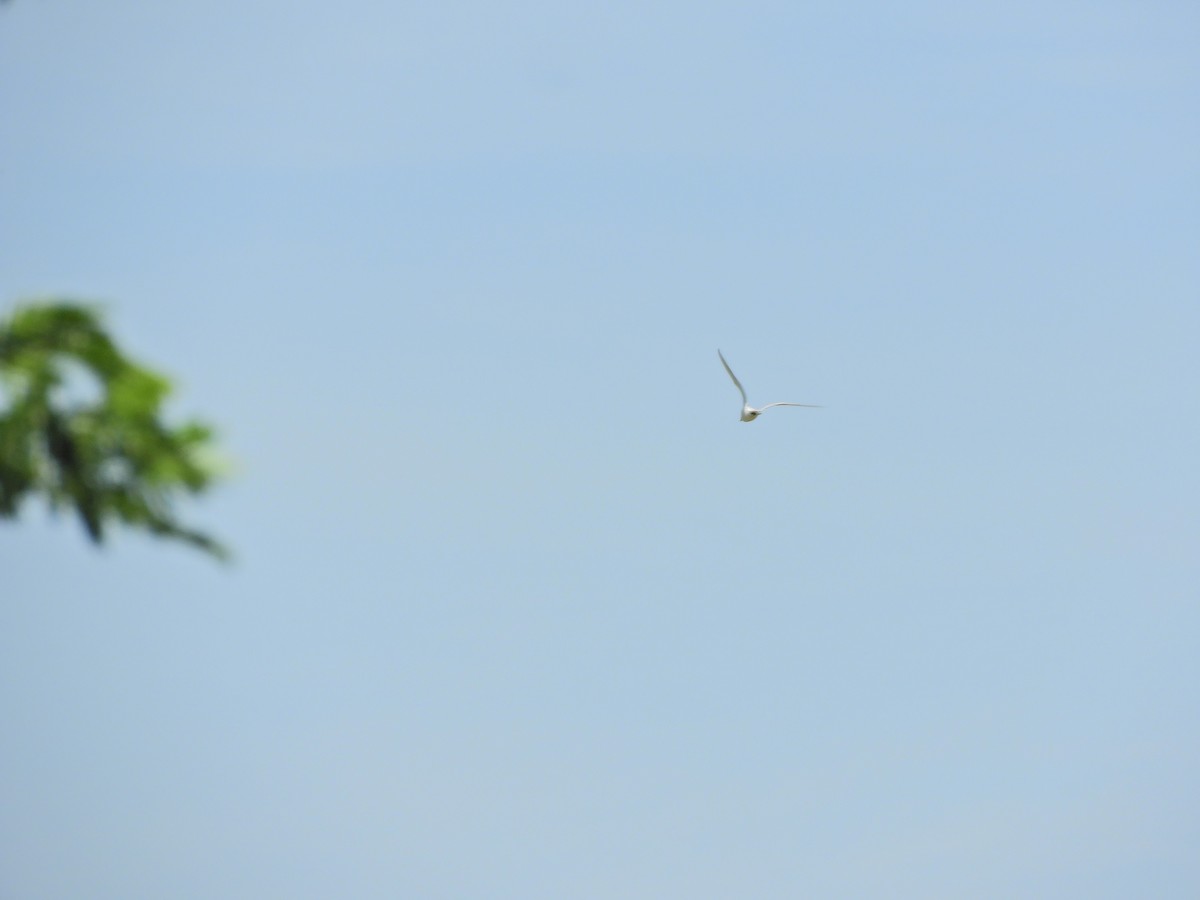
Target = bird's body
(750,413)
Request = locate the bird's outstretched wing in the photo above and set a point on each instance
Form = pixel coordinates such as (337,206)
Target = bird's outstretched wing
(806,405)
(741,389)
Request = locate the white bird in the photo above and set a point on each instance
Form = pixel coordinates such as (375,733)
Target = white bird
(749,413)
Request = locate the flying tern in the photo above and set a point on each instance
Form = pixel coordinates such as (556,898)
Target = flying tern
(749,413)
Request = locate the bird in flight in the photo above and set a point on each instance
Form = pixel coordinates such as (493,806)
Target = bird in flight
(749,413)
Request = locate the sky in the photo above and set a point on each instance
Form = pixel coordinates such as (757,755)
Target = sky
(519,608)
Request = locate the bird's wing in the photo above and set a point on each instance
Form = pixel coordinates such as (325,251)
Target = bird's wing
(806,405)
(741,389)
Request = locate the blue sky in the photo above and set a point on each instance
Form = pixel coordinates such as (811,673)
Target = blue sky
(521,609)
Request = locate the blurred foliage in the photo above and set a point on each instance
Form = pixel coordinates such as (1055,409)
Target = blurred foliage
(111,459)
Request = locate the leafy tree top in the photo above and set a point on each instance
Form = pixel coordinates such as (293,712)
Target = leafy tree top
(111,459)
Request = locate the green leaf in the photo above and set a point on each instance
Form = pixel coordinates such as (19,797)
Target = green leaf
(113,459)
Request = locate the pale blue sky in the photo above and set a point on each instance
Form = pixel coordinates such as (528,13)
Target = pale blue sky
(521,609)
